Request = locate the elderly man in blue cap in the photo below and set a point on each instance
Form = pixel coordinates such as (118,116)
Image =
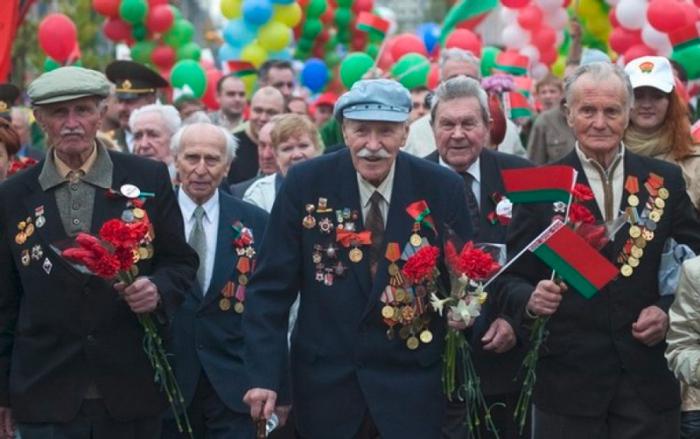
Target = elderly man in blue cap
(341,228)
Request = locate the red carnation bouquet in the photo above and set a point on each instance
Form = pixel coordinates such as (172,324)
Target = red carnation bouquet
(113,255)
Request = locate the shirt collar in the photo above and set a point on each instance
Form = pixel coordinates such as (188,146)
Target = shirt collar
(592,164)
(97,169)
(385,188)
(187,205)
(474,170)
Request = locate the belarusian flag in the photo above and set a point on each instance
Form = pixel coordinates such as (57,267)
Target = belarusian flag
(371,23)
(539,185)
(579,264)
(516,105)
(239,68)
(462,11)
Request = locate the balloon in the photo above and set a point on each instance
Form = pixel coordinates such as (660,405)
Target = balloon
(531,52)
(227,52)
(464,39)
(133,11)
(638,50)
(362,5)
(179,34)
(515,37)
(314,75)
(488,59)
(160,18)
(530,17)
(312,27)
(257,12)
(289,15)
(282,54)
(430,34)
(57,36)
(622,39)
(51,64)
(691,12)
(665,15)
(344,3)
(329,16)
(254,53)
(559,66)
(141,51)
(343,17)
(539,71)
(548,55)
(116,29)
(407,43)
(612,17)
(163,56)
(549,5)
(274,36)
(543,37)
(153,3)
(238,34)
(231,8)
(433,79)
(653,38)
(190,50)
(209,98)
(139,32)
(558,19)
(190,73)
(108,8)
(353,67)
(631,13)
(411,70)
(316,8)
(514,3)
(688,58)
(176,13)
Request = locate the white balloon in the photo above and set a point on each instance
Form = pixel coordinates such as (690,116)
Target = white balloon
(653,38)
(390,16)
(560,38)
(612,2)
(531,52)
(539,71)
(549,5)
(558,18)
(515,37)
(632,14)
(509,15)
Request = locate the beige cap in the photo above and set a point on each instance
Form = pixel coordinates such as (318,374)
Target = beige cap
(66,84)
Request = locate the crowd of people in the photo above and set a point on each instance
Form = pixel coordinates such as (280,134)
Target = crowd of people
(278,224)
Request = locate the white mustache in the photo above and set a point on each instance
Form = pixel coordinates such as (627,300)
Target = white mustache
(365,153)
(68,132)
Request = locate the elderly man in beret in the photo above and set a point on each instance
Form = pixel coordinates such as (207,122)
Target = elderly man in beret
(336,234)
(72,363)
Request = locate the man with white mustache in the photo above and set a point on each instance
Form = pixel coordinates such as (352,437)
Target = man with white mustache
(350,377)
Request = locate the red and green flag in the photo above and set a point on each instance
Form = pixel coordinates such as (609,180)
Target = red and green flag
(512,62)
(240,68)
(371,23)
(462,11)
(574,260)
(539,185)
(517,105)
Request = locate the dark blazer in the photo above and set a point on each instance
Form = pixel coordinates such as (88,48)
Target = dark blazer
(59,330)
(496,371)
(205,338)
(245,166)
(590,342)
(342,363)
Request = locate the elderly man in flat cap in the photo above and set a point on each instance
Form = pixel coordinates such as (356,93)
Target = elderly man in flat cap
(72,363)
(336,234)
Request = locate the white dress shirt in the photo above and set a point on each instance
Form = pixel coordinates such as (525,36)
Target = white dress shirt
(210,221)
(475,171)
(367,189)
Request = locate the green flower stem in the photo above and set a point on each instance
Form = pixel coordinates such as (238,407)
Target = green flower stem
(529,366)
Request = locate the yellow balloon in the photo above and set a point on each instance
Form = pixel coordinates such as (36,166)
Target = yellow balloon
(249,82)
(559,66)
(231,8)
(254,53)
(274,36)
(289,15)
(588,8)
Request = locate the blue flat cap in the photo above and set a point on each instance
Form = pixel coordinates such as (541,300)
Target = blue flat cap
(374,100)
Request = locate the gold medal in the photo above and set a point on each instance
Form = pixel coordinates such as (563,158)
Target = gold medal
(633,262)
(412,343)
(655,216)
(633,200)
(143,253)
(626,270)
(224,304)
(635,232)
(309,222)
(405,332)
(393,269)
(388,312)
(355,255)
(637,252)
(648,235)
(138,213)
(239,307)
(663,193)
(416,240)
(29,231)
(20,238)
(426,336)
(400,295)
(243,280)
(660,203)
(640,242)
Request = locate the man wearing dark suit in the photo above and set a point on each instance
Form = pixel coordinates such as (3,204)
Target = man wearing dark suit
(267,164)
(461,123)
(351,376)
(602,371)
(207,336)
(72,362)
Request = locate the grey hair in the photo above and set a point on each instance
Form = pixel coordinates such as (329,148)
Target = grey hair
(231,142)
(599,71)
(169,114)
(198,116)
(457,54)
(460,87)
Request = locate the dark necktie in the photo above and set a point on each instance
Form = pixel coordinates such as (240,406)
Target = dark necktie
(472,204)
(375,224)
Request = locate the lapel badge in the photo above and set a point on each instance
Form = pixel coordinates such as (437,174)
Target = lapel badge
(40,219)
(47,266)
(559,207)
(130,191)
(127,216)
(37,252)
(25,258)
(323,205)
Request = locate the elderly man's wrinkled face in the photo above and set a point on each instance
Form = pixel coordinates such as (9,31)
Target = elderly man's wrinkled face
(201,161)
(597,114)
(152,137)
(71,126)
(374,146)
(460,132)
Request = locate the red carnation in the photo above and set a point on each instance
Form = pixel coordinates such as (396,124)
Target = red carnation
(125,256)
(474,263)
(582,193)
(421,266)
(579,214)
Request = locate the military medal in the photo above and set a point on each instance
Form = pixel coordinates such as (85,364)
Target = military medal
(25,258)
(387,311)
(37,252)
(130,191)
(393,254)
(426,336)
(626,270)
(138,212)
(309,222)
(663,193)
(20,238)
(635,232)
(40,219)
(412,343)
(47,266)
(239,307)
(323,206)
(415,240)
(224,304)
(325,225)
(355,255)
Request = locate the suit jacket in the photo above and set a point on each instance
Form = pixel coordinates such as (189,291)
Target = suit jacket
(590,341)
(61,329)
(496,371)
(342,363)
(205,338)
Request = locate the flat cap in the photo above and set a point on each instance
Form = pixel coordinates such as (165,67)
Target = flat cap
(133,79)
(374,100)
(66,84)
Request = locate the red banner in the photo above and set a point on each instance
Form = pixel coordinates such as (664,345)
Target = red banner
(9,12)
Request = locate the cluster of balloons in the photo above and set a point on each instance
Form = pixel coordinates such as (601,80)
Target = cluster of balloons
(58,38)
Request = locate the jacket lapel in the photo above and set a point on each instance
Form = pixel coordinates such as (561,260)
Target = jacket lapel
(224,259)
(491,183)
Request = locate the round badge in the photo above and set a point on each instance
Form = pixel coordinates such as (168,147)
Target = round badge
(130,191)
(393,269)
(224,304)
(20,238)
(633,262)
(412,343)
(663,193)
(40,221)
(648,235)
(356,255)
(635,232)
(660,203)
(309,222)
(626,270)
(404,332)
(138,213)
(243,280)
(416,240)
(387,312)
(400,295)
(655,216)
(29,231)
(504,208)
(640,242)
(239,307)
(633,200)
(426,336)
(637,252)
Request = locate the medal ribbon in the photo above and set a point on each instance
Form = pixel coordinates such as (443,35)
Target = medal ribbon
(347,238)
(393,252)
(420,212)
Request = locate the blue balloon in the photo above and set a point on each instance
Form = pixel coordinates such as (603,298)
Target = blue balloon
(257,12)
(239,34)
(430,34)
(314,75)
(283,54)
(228,52)
(283,2)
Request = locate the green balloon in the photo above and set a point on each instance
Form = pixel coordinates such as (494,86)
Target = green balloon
(372,50)
(305,44)
(344,3)
(141,51)
(688,57)
(353,67)
(139,32)
(343,17)
(189,73)
(78,63)
(488,59)
(312,28)
(179,34)
(51,64)
(343,35)
(190,50)
(411,70)
(133,11)
(177,15)
(332,59)
(316,8)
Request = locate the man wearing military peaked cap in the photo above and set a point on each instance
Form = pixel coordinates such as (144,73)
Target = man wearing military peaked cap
(8,96)
(72,362)
(135,86)
(336,232)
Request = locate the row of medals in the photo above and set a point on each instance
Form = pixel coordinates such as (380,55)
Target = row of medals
(403,310)
(26,230)
(134,213)
(642,229)
(245,257)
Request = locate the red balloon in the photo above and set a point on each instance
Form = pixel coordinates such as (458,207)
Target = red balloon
(622,39)
(433,77)
(637,51)
(154,3)
(362,5)
(613,18)
(464,39)
(117,29)
(530,17)
(407,43)
(160,18)
(665,15)
(163,56)
(549,55)
(385,59)
(108,8)
(57,36)
(209,97)
(328,17)
(516,4)
(543,37)
(359,41)
(697,3)
(691,13)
